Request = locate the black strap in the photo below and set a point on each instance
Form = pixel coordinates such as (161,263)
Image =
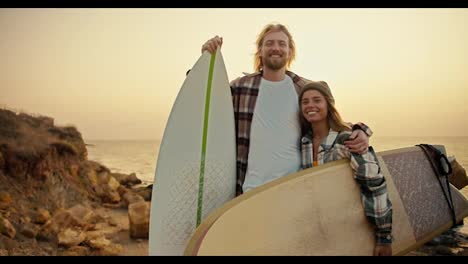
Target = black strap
(441,171)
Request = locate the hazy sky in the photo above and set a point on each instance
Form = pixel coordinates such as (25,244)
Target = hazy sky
(115,73)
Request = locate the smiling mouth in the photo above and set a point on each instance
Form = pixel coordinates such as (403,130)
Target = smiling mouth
(310,113)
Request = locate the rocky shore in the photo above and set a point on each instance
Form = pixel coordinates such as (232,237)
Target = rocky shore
(54,201)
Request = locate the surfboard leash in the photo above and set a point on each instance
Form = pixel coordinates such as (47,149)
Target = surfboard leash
(201,180)
(436,155)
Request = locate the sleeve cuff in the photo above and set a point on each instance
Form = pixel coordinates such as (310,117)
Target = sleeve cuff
(363,127)
(384,239)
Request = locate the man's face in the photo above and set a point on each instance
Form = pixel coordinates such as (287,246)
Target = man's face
(275,50)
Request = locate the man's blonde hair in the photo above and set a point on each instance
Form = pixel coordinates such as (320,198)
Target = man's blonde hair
(258,65)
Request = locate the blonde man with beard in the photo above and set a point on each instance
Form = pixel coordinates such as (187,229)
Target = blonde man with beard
(266,110)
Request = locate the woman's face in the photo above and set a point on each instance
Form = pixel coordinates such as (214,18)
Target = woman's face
(314,106)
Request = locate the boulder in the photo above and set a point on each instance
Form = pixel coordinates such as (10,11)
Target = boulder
(99,242)
(130,198)
(41,216)
(138,214)
(77,215)
(76,251)
(458,178)
(69,237)
(126,179)
(5,200)
(30,230)
(2,161)
(144,192)
(111,250)
(6,228)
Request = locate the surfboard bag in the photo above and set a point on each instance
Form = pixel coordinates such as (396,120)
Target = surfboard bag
(442,168)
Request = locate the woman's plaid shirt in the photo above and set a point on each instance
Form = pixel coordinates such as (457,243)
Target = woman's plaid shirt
(367,173)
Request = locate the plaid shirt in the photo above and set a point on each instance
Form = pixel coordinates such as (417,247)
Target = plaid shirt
(244,95)
(377,205)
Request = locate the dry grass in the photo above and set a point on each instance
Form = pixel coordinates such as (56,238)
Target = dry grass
(29,137)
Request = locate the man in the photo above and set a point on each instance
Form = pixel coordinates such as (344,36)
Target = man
(266,112)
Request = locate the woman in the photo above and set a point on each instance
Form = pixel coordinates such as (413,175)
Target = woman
(324,133)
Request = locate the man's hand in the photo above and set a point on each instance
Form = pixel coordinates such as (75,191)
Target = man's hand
(212,44)
(383,250)
(358,142)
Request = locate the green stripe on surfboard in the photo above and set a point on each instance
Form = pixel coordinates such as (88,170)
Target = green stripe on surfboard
(205,132)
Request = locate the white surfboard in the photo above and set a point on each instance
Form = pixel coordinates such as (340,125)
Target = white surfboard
(196,168)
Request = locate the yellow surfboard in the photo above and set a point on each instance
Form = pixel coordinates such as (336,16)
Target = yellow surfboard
(318,211)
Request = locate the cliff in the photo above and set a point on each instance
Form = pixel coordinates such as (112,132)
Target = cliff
(53,199)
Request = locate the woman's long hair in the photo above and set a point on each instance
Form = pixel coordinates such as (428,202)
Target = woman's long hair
(333,116)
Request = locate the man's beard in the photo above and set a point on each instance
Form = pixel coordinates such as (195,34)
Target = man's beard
(274,63)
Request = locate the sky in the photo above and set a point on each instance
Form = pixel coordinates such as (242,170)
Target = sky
(115,73)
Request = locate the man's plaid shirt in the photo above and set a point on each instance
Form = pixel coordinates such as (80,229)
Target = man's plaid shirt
(367,173)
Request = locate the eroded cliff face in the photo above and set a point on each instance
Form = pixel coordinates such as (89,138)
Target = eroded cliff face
(44,176)
(42,164)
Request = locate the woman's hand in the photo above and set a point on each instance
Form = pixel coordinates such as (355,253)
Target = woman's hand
(383,250)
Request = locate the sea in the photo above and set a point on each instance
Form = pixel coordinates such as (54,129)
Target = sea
(140,156)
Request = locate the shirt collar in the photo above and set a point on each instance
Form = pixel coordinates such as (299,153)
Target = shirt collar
(326,144)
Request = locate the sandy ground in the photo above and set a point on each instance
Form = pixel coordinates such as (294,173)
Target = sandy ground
(120,233)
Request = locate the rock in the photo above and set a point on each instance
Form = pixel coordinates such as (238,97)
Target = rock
(122,190)
(41,216)
(92,177)
(8,243)
(47,232)
(106,187)
(76,251)
(97,218)
(25,219)
(30,230)
(3,252)
(2,161)
(49,250)
(112,222)
(416,253)
(5,200)
(7,228)
(111,250)
(102,230)
(113,184)
(110,196)
(70,237)
(443,250)
(447,240)
(94,234)
(458,178)
(77,215)
(138,214)
(74,169)
(99,243)
(130,198)
(126,180)
(112,205)
(144,192)
(103,177)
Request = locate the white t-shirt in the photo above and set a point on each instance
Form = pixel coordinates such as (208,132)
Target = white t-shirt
(274,135)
